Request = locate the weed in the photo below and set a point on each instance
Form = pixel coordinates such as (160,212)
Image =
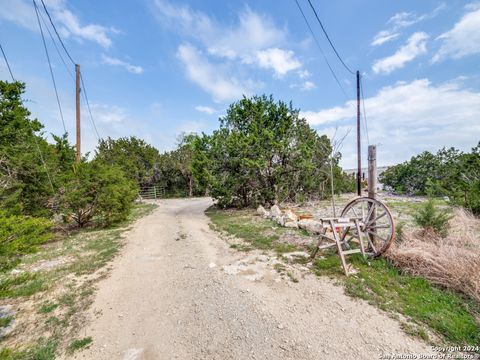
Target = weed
(5,321)
(79,344)
(292,277)
(25,284)
(279,267)
(47,307)
(430,217)
(415,331)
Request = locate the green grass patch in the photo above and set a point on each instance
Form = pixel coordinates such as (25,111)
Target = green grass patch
(79,344)
(25,284)
(47,307)
(5,321)
(259,233)
(448,314)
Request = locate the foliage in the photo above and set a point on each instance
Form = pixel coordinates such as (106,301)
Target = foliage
(137,159)
(95,190)
(20,235)
(429,217)
(263,153)
(24,183)
(177,175)
(449,172)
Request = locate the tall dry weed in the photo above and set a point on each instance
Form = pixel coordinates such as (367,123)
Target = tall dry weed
(452,261)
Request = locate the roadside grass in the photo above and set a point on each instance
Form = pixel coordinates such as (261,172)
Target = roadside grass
(450,317)
(79,344)
(257,232)
(59,294)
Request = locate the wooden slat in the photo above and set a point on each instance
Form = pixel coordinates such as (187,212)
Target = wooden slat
(353,251)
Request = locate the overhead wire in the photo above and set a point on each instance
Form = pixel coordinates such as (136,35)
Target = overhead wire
(365,122)
(50,66)
(56,32)
(328,38)
(84,92)
(56,47)
(321,50)
(6,61)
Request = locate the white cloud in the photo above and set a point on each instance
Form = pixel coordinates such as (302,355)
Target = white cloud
(400,21)
(384,36)
(281,61)
(134,69)
(109,114)
(308,85)
(464,38)
(304,86)
(408,118)
(415,46)
(254,40)
(210,77)
(23,13)
(205,109)
(190,127)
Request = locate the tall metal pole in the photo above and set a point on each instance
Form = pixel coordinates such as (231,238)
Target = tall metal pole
(77,95)
(359,150)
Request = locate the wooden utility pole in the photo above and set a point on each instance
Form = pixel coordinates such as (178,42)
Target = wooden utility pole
(77,95)
(359,154)
(372,171)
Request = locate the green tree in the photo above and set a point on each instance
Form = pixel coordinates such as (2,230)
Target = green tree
(263,153)
(26,159)
(95,190)
(449,172)
(134,156)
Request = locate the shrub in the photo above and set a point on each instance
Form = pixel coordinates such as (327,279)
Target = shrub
(21,235)
(96,190)
(429,217)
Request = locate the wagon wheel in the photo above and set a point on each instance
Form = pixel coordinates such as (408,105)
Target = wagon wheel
(376,222)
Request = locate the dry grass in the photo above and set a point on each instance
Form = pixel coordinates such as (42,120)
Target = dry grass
(452,261)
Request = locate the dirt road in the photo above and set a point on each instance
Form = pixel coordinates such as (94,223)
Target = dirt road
(178,291)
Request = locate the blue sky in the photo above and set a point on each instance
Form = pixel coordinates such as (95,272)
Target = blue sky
(156,68)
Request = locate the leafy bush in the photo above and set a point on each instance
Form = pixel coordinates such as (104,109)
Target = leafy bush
(96,190)
(429,217)
(21,235)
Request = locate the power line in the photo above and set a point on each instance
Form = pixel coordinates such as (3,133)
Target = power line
(6,61)
(328,38)
(50,66)
(56,47)
(321,50)
(56,32)
(84,92)
(364,112)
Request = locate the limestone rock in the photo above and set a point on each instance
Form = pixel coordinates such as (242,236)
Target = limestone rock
(291,224)
(262,212)
(311,226)
(275,211)
(289,215)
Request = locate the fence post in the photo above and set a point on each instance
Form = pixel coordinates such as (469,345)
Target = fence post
(372,171)
(155,192)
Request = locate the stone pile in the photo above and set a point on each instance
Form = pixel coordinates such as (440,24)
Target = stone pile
(287,218)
